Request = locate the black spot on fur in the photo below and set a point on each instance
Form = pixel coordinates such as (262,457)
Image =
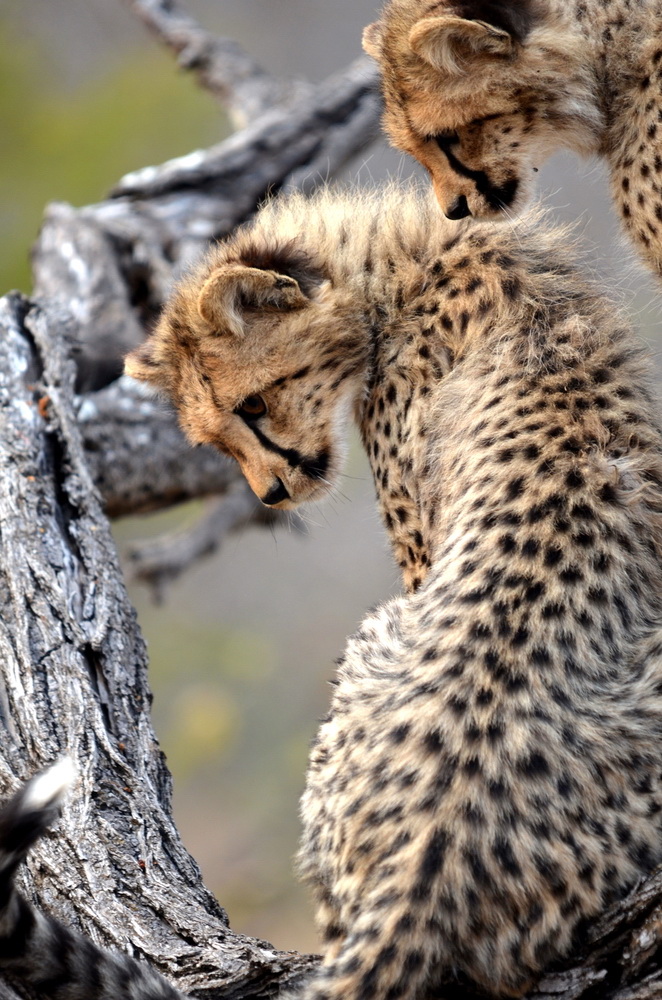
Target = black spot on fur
(503,852)
(400,733)
(608,494)
(534,766)
(286,258)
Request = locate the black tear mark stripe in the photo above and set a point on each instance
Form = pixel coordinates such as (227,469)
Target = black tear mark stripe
(497,196)
(314,467)
(293,457)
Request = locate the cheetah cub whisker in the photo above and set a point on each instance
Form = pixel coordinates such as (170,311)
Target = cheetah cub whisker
(481,92)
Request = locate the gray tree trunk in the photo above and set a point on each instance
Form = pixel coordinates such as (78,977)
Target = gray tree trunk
(73,668)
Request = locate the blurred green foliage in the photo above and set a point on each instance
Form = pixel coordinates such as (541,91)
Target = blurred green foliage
(56,144)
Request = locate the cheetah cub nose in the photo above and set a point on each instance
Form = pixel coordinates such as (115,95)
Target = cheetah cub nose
(276,494)
(459,209)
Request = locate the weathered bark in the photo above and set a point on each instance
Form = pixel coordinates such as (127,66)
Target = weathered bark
(622,959)
(73,666)
(73,678)
(138,457)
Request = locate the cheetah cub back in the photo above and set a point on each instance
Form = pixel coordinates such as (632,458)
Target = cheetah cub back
(482,92)
(487,778)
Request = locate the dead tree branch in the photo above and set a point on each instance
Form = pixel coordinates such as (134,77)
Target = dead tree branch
(73,665)
(137,455)
(220,64)
(160,561)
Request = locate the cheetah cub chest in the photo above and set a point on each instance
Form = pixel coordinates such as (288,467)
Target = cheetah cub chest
(487,778)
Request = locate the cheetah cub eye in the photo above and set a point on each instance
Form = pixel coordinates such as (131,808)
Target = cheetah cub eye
(252,408)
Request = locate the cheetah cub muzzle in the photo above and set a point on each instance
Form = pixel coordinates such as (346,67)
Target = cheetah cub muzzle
(487,779)
(481,92)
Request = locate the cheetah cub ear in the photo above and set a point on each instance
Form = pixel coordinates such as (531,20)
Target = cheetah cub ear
(143,365)
(372,40)
(448,43)
(232,289)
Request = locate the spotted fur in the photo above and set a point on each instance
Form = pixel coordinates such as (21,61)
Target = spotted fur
(481,93)
(35,949)
(487,779)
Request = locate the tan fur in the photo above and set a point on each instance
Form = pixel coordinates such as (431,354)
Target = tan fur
(582,75)
(488,777)
(449,42)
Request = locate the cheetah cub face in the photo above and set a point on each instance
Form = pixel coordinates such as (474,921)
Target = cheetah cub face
(481,93)
(233,351)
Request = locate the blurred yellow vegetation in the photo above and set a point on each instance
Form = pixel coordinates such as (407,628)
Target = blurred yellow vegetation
(202,725)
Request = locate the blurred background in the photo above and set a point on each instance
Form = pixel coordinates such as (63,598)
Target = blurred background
(242,647)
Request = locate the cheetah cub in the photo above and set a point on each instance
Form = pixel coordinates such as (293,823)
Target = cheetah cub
(481,92)
(487,779)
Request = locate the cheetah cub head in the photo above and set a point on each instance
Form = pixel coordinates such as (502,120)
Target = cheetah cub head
(258,358)
(481,92)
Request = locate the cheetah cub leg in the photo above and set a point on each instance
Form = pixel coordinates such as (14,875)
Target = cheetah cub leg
(329,924)
(388,953)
